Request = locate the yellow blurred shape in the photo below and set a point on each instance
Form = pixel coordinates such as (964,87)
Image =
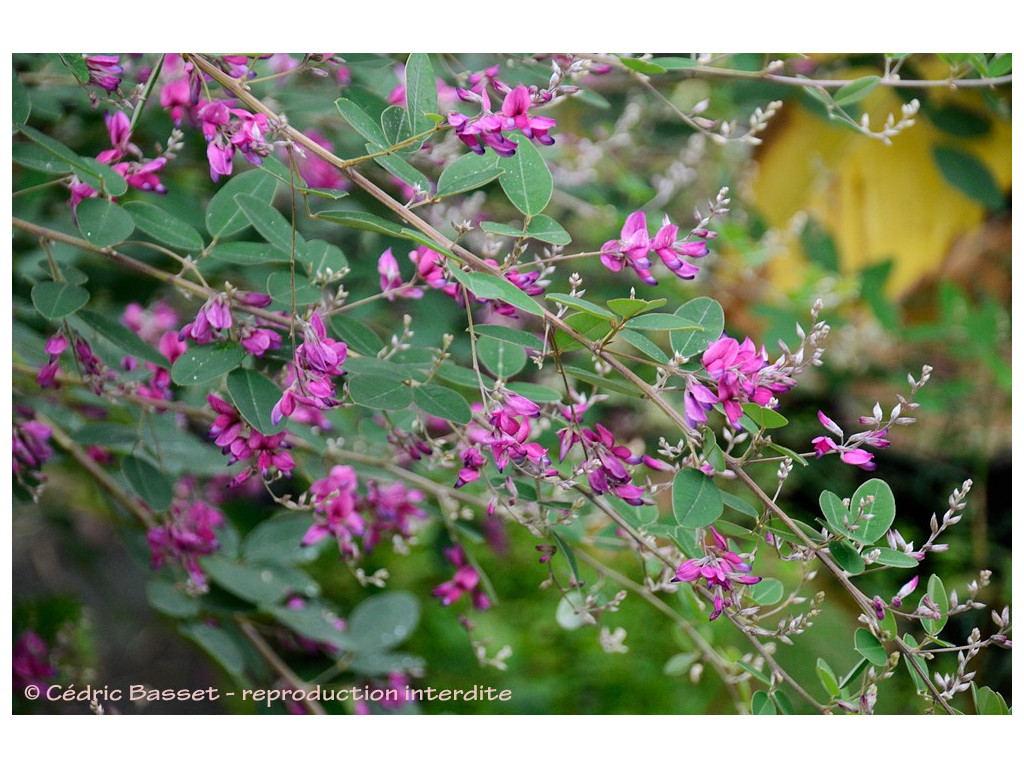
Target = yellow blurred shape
(877,201)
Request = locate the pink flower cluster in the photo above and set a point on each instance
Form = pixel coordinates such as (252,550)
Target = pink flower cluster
(228,129)
(309,385)
(93,371)
(30,447)
(156,327)
(488,128)
(216,316)
(242,442)
(606,463)
(719,567)
(186,534)
(104,71)
(384,511)
(31,663)
(743,376)
(634,246)
(140,173)
(848,450)
(465,581)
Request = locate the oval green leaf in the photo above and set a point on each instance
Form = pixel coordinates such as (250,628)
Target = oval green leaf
(847,557)
(57,300)
(502,358)
(696,500)
(203,363)
(255,396)
(163,226)
(869,647)
(223,216)
(877,516)
(149,483)
(705,314)
(527,181)
(379,392)
(442,402)
(103,222)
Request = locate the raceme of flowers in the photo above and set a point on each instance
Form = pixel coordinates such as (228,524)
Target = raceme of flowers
(719,568)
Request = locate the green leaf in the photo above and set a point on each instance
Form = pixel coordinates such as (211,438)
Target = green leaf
(590,326)
(401,168)
(97,175)
(38,159)
(855,90)
(21,104)
(359,336)
(850,676)
(527,181)
(279,540)
(762,704)
(834,510)
(643,66)
(882,511)
(148,481)
(261,584)
(696,500)
(767,591)
(869,647)
(570,613)
(515,336)
(367,222)
(486,286)
(320,256)
(103,222)
(255,396)
(680,663)
(383,621)
(313,622)
(819,246)
(603,382)
(705,314)
(764,418)
(645,345)
(969,175)
(988,702)
(756,673)
(657,321)
(365,125)
(536,392)
(937,594)
(170,599)
(75,62)
(463,377)
(57,300)
(247,254)
(122,338)
(269,222)
(443,402)
(784,451)
(630,307)
(203,363)
(675,62)
(587,307)
(735,502)
(847,557)
(468,172)
(547,230)
(828,678)
(420,91)
(221,646)
(164,227)
(782,701)
(501,358)
(896,559)
(223,216)
(1000,64)
(279,286)
(379,392)
(396,125)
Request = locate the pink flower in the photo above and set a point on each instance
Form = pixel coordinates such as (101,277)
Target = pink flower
(743,375)
(465,580)
(669,249)
(336,514)
(186,534)
(631,249)
(104,71)
(849,450)
(391,278)
(516,107)
(719,567)
(31,662)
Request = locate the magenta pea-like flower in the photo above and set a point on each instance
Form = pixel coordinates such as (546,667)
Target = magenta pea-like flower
(466,580)
(104,71)
(742,374)
(634,247)
(849,450)
(719,568)
(186,534)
